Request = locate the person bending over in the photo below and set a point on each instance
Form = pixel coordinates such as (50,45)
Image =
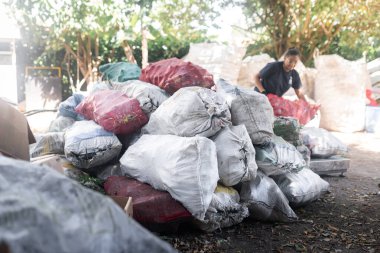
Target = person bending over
(277,77)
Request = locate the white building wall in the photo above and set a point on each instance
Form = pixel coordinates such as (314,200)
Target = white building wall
(9,32)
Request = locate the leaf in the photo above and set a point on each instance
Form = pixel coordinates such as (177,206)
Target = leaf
(134,19)
(332,228)
(300,247)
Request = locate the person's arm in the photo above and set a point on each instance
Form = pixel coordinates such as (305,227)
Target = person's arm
(258,83)
(300,94)
(297,85)
(265,72)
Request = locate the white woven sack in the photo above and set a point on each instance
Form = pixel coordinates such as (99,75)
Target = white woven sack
(236,155)
(340,89)
(186,167)
(322,143)
(249,108)
(222,61)
(189,112)
(302,187)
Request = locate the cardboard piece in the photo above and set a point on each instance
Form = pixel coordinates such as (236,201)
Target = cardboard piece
(15,134)
(55,161)
(52,161)
(125,203)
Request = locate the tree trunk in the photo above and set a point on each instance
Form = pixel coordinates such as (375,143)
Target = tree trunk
(128,52)
(96,62)
(144,48)
(83,60)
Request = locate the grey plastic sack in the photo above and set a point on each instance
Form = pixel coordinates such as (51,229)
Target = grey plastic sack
(110,170)
(102,85)
(249,108)
(301,188)
(189,112)
(224,210)
(67,107)
(149,96)
(265,200)
(236,155)
(61,123)
(322,143)
(88,145)
(43,211)
(306,154)
(186,167)
(278,157)
(129,139)
(48,143)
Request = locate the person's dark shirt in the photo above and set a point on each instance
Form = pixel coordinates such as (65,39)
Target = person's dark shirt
(277,81)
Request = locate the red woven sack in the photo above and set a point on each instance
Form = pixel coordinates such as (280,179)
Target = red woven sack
(150,206)
(299,109)
(173,74)
(114,111)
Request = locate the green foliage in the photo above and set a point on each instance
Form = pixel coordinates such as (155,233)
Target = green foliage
(184,20)
(159,49)
(49,25)
(368,47)
(331,26)
(60,21)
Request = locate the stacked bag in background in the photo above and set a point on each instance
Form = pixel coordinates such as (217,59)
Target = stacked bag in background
(322,143)
(340,88)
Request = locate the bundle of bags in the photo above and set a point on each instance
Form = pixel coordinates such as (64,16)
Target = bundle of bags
(211,154)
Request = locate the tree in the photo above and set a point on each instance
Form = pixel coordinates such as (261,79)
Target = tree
(74,25)
(309,24)
(173,20)
(85,28)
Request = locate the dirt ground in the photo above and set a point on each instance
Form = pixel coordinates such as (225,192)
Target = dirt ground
(345,220)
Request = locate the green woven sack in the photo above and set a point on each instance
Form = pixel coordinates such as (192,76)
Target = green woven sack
(289,129)
(120,71)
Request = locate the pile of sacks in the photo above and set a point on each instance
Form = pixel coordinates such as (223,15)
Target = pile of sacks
(207,153)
